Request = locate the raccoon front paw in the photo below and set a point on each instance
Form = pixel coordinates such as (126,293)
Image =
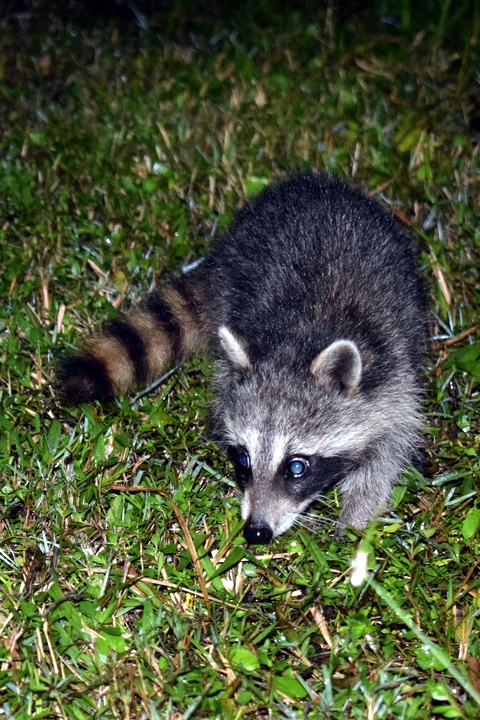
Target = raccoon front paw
(339,532)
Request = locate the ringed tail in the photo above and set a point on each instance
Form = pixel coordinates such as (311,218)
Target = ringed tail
(136,347)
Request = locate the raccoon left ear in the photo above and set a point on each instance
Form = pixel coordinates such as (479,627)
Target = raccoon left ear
(339,366)
(233,348)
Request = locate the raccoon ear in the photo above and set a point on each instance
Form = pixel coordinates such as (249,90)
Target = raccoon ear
(233,348)
(339,366)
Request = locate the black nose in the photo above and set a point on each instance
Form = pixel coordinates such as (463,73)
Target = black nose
(257,534)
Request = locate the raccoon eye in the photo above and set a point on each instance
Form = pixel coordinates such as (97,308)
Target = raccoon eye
(241,462)
(297,467)
(240,458)
(244,459)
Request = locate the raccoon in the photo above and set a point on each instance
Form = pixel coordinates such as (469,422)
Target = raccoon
(313,308)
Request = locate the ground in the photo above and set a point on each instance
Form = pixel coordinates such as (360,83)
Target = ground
(130,132)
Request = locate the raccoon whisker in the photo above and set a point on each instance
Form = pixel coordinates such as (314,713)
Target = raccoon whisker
(308,520)
(323,500)
(313,524)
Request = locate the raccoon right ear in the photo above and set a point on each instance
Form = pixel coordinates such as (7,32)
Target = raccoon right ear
(338,366)
(233,348)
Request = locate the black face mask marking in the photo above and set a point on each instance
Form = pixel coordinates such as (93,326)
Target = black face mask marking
(301,477)
(298,476)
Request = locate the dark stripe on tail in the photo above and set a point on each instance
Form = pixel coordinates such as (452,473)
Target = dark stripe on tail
(163,315)
(183,289)
(133,343)
(83,378)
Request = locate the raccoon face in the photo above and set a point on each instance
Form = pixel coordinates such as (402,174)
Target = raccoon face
(285,430)
(297,483)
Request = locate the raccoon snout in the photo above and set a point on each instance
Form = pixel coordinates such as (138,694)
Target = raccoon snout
(257,534)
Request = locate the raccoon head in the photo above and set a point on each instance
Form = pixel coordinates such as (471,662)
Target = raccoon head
(284,429)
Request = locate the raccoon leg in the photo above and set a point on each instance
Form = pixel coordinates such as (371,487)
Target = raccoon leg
(367,491)
(137,346)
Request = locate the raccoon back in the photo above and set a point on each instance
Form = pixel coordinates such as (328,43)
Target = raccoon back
(312,260)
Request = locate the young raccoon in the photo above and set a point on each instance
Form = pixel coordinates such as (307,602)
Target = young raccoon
(313,306)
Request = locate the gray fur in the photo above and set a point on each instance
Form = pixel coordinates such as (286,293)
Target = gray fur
(313,306)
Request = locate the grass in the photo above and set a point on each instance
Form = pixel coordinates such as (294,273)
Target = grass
(126,588)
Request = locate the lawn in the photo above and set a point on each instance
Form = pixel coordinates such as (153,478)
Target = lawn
(129,134)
